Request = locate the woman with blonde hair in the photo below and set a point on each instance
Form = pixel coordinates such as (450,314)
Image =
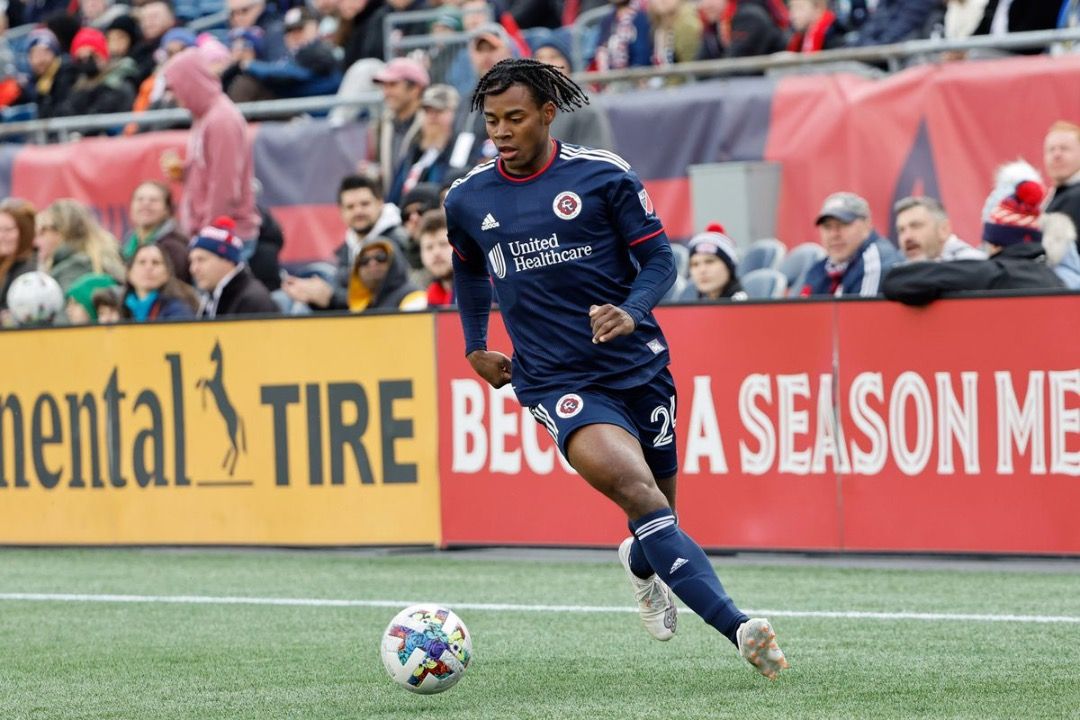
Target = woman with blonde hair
(16,243)
(71,243)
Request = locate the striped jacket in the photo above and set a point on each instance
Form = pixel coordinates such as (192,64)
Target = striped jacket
(863,275)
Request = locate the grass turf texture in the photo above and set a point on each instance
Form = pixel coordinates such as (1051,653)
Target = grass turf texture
(104,660)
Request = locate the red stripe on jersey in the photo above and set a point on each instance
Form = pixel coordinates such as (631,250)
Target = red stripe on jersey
(538,173)
(647,237)
(458,253)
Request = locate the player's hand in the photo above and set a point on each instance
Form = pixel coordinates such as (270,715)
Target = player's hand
(609,322)
(490,365)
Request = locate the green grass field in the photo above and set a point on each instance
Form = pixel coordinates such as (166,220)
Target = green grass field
(96,659)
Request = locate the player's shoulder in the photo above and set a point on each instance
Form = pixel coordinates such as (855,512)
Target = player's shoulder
(593,158)
(470,180)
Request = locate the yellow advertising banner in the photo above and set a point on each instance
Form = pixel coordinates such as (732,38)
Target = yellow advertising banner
(301,431)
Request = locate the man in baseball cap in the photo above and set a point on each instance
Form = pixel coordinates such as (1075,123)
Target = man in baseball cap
(402,82)
(856,257)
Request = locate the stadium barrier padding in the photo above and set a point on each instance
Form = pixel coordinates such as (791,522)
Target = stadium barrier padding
(852,425)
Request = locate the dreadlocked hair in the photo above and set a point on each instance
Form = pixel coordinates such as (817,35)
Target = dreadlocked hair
(545,81)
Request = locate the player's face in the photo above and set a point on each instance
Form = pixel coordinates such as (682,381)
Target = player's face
(519,128)
(435,253)
(920,235)
(840,239)
(709,274)
(360,209)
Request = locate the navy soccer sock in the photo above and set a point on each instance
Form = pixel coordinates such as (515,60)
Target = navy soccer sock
(639,565)
(682,564)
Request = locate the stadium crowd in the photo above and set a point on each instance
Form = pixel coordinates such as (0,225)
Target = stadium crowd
(216,253)
(397,256)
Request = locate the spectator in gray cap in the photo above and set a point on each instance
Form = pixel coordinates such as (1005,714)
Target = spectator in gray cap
(588,125)
(856,257)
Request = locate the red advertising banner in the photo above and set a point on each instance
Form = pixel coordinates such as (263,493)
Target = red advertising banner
(502,480)
(831,425)
(963,420)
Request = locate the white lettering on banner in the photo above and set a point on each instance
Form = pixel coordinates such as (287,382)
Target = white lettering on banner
(758,424)
(1024,428)
(909,421)
(703,438)
(1063,421)
(829,441)
(503,425)
(911,461)
(869,423)
(467,406)
(958,421)
(488,419)
(792,422)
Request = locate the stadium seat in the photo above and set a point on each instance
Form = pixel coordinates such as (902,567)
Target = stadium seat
(797,262)
(682,259)
(764,284)
(764,253)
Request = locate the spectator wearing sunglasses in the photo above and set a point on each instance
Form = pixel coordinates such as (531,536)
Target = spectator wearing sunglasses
(380,280)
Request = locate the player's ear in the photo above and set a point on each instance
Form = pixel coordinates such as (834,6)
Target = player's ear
(547,112)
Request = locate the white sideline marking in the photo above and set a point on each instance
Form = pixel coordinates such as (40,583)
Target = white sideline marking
(507,607)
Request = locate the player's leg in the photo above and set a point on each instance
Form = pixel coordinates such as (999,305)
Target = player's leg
(611,460)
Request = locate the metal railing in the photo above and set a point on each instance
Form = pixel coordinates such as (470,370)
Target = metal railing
(62,128)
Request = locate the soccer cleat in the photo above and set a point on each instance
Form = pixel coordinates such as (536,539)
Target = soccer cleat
(757,643)
(656,602)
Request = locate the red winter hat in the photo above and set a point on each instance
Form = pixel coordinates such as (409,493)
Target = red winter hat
(93,39)
(1016,218)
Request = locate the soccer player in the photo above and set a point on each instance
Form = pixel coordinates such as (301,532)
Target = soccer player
(563,230)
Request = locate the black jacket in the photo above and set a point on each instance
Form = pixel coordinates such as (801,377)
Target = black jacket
(365,36)
(1066,200)
(1016,267)
(753,32)
(244,295)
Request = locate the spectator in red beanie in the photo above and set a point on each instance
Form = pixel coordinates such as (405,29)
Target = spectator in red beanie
(100,86)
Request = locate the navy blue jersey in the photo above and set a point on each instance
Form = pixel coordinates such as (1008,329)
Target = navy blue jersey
(555,243)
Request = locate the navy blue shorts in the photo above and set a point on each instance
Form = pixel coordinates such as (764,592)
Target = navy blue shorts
(646,412)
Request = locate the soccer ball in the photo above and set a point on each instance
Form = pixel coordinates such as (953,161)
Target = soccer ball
(35,298)
(426,648)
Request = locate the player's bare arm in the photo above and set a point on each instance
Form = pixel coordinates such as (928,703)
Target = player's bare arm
(610,322)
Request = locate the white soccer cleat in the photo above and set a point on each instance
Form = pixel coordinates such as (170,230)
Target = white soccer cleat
(656,602)
(757,643)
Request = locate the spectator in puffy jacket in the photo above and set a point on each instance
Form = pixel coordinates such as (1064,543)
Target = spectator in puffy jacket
(310,66)
(380,280)
(1017,258)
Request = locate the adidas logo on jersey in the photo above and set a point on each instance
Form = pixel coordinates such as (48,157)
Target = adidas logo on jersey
(490,223)
(679,562)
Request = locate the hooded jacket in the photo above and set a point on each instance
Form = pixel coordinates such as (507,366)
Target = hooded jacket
(387,227)
(395,293)
(1016,267)
(220,165)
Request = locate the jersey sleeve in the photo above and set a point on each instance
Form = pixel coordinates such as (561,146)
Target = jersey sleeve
(472,285)
(632,212)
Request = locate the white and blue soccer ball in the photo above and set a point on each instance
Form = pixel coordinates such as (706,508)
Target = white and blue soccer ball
(35,298)
(426,648)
